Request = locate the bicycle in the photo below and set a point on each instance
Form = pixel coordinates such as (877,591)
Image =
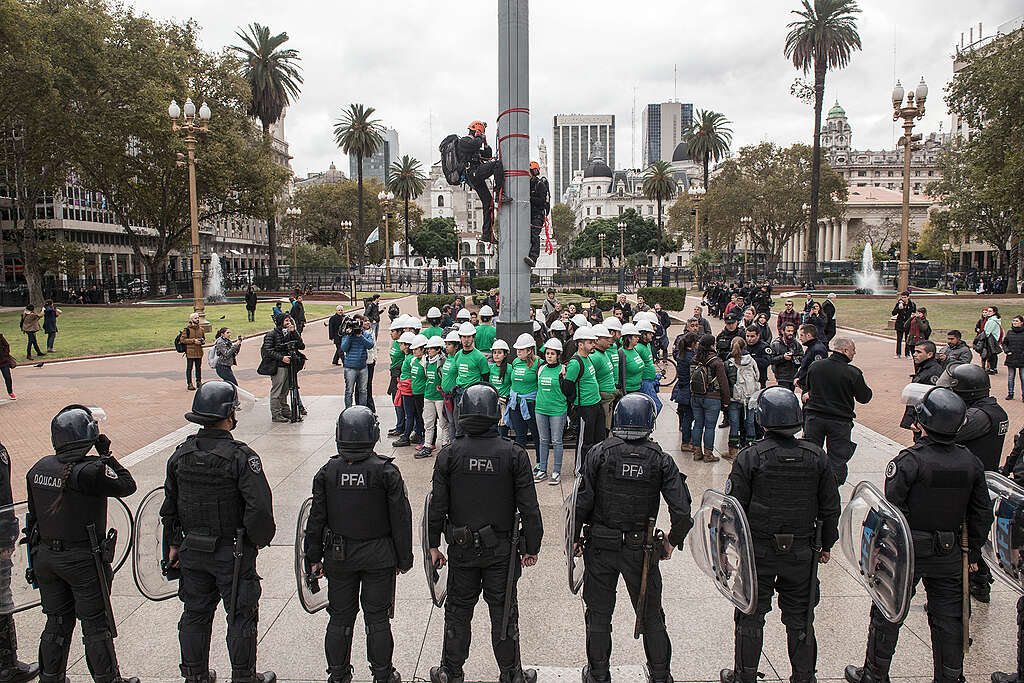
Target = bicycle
(667,371)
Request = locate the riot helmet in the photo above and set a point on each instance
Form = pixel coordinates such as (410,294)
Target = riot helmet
(213,402)
(941,412)
(969,381)
(478,408)
(634,417)
(778,410)
(74,427)
(358,429)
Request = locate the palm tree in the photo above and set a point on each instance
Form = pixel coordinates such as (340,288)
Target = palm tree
(659,185)
(274,76)
(708,140)
(406,180)
(356,133)
(823,38)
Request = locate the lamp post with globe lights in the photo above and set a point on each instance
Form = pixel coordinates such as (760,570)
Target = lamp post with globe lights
(802,254)
(600,238)
(385,199)
(909,109)
(622,255)
(696,194)
(746,222)
(189,127)
(293,214)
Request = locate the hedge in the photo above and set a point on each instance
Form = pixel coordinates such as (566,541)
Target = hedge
(670,298)
(425,301)
(486,282)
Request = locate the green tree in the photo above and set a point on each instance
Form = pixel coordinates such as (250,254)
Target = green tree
(702,261)
(728,199)
(929,244)
(407,181)
(641,237)
(437,239)
(274,77)
(318,256)
(659,185)
(563,222)
(355,132)
(708,140)
(824,37)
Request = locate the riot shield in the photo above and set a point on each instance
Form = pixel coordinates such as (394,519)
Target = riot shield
(578,466)
(148,550)
(1002,549)
(312,595)
(723,549)
(876,541)
(437,578)
(573,562)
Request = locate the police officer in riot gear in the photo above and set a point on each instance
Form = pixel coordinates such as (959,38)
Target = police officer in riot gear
(359,534)
(67,508)
(217,512)
(623,477)
(937,484)
(480,481)
(11,670)
(789,493)
(983,433)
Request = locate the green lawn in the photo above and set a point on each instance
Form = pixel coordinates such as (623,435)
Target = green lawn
(944,313)
(89,331)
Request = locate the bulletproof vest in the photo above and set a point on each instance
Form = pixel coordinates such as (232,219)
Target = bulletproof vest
(357,497)
(784,488)
(64,512)
(989,446)
(482,482)
(628,486)
(937,500)
(209,501)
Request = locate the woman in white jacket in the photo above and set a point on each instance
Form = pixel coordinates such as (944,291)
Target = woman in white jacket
(744,381)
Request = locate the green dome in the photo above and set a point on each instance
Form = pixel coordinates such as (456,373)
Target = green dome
(836,112)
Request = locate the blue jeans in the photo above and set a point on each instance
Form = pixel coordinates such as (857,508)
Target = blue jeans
(650,387)
(550,429)
(738,414)
(413,407)
(355,386)
(521,426)
(705,419)
(226,373)
(685,413)
(1011,375)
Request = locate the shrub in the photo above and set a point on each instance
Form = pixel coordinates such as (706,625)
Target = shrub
(605,303)
(670,298)
(486,282)
(425,301)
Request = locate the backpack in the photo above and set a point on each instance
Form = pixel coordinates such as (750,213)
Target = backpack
(569,388)
(702,379)
(211,357)
(452,167)
(179,345)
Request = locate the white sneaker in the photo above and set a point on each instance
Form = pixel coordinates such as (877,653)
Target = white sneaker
(539,476)
(555,479)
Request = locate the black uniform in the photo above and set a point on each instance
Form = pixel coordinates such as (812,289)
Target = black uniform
(479,483)
(66,493)
(540,205)
(216,488)
(474,150)
(622,482)
(785,485)
(723,342)
(360,527)
(936,486)
(10,530)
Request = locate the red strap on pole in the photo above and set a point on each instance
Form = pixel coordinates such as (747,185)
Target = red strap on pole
(548,246)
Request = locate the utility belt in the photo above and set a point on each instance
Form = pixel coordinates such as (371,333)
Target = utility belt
(205,540)
(485,537)
(783,543)
(58,545)
(335,544)
(607,538)
(935,543)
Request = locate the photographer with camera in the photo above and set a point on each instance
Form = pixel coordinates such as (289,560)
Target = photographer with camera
(276,356)
(356,342)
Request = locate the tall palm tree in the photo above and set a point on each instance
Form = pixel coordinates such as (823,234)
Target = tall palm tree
(659,185)
(708,140)
(274,77)
(406,180)
(824,37)
(355,132)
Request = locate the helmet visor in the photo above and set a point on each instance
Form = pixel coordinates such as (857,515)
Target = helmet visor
(246,401)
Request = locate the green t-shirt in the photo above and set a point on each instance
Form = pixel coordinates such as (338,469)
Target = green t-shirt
(406,367)
(434,373)
(612,354)
(550,399)
(524,377)
(502,384)
(634,369)
(603,368)
(447,378)
(589,390)
(432,331)
(468,368)
(484,337)
(419,376)
(645,353)
(396,354)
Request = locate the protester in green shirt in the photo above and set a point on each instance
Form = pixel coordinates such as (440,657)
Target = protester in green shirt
(634,362)
(397,356)
(452,345)
(404,394)
(580,370)
(649,378)
(607,371)
(434,318)
(551,410)
(522,402)
(433,402)
(469,366)
(501,378)
(485,331)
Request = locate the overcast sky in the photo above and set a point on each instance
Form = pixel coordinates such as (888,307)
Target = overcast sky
(429,67)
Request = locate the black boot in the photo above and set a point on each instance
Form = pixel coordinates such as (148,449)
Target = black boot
(518,675)
(1000,677)
(11,670)
(393,677)
(859,674)
(590,678)
(439,674)
(339,674)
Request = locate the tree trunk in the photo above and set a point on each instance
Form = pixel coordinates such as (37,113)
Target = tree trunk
(812,232)
(359,185)
(272,217)
(29,254)
(660,234)
(407,244)
(705,237)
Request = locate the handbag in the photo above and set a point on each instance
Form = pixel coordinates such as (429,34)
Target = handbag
(267,367)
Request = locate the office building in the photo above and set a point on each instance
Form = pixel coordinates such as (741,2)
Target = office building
(377,166)
(663,128)
(573,137)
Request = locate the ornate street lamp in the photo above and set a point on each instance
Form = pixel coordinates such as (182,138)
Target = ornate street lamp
(909,110)
(293,213)
(600,237)
(385,199)
(696,194)
(746,222)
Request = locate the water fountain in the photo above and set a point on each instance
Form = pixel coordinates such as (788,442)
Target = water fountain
(215,287)
(867,279)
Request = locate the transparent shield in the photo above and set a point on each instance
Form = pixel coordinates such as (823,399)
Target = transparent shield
(723,549)
(437,578)
(119,517)
(876,541)
(246,401)
(573,562)
(312,596)
(1003,548)
(579,448)
(148,550)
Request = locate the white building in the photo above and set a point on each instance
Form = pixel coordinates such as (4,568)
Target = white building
(573,137)
(331,175)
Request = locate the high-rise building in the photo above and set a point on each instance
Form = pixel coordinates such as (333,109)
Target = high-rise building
(664,126)
(573,138)
(377,166)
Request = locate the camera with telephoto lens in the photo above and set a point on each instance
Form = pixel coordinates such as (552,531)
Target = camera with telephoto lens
(352,325)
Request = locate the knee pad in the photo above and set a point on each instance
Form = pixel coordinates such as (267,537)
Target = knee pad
(59,626)
(196,620)
(376,627)
(598,622)
(343,631)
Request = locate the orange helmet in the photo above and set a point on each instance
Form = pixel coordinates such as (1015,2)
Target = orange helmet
(534,166)
(478,126)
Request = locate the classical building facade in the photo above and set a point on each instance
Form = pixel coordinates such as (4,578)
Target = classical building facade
(331,175)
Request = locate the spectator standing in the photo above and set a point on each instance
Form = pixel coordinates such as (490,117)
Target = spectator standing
(275,358)
(393,312)
(549,304)
(788,315)
(992,333)
(250,303)
(955,352)
(785,354)
(31,327)
(622,305)
(294,339)
(334,333)
(684,348)
(743,375)
(298,312)
(277,310)
(356,347)
(1013,345)
(703,324)
(828,312)
(665,322)
(7,362)
(764,328)
(901,313)
(816,318)
(918,329)
(833,384)
(709,391)
(193,338)
(551,411)
(371,365)
(594,316)
(225,352)
(371,311)
(50,315)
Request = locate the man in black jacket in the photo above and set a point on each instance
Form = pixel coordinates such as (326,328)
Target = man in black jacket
(371,310)
(334,332)
(903,309)
(927,370)
(540,206)
(832,385)
(723,342)
(813,350)
(477,155)
(759,351)
(276,358)
(298,312)
(785,354)
(828,309)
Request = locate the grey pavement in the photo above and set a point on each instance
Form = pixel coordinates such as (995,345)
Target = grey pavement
(551,618)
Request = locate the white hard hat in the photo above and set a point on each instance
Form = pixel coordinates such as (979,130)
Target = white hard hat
(434,312)
(453,337)
(487,311)
(537,326)
(645,326)
(558,326)
(467,330)
(579,320)
(600,331)
(419,341)
(436,342)
(415,322)
(407,338)
(396,324)
(525,341)
(644,315)
(629,328)
(584,333)
(499,345)
(463,314)
(613,323)
(553,344)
